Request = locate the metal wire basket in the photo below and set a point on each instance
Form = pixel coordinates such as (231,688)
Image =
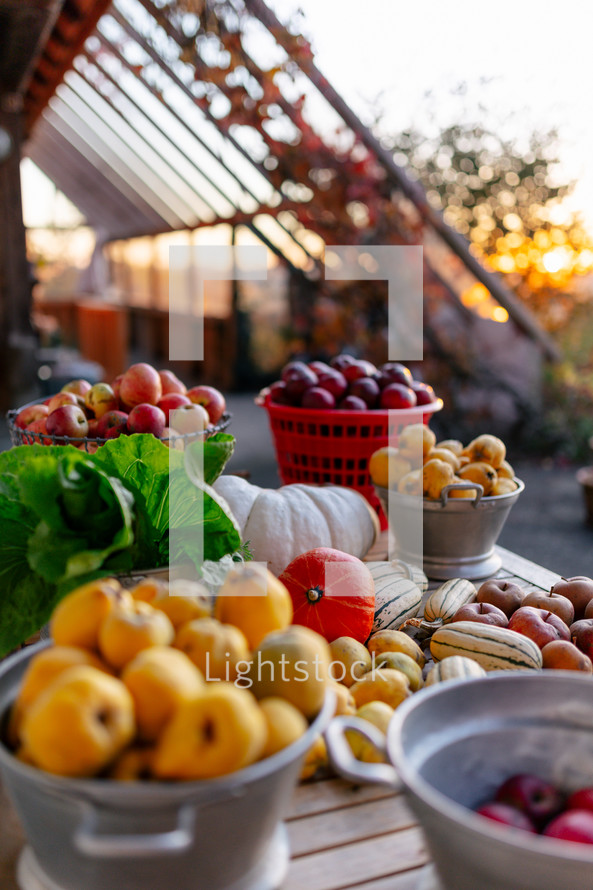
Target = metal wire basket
(20,436)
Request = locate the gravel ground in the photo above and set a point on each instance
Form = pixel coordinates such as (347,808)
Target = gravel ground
(546,525)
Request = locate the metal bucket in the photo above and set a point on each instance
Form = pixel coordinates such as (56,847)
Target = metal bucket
(459,534)
(218,834)
(452,744)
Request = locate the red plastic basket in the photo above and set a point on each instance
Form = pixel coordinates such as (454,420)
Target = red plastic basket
(321,447)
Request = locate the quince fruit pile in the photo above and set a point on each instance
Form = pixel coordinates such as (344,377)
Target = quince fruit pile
(375,678)
(422,466)
(165,682)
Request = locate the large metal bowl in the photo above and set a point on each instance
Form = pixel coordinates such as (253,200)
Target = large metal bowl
(455,537)
(90,834)
(451,745)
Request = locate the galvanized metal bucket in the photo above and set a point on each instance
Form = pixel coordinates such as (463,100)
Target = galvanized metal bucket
(459,534)
(452,744)
(219,834)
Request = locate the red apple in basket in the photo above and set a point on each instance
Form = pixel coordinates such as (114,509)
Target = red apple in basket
(507,595)
(140,385)
(317,398)
(171,401)
(112,425)
(555,603)
(355,371)
(506,815)
(538,799)
(29,414)
(369,367)
(396,395)
(68,420)
(116,385)
(39,427)
(319,367)
(395,372)
(425,394)
(579,590)
(93,427)
(145,418)
(485,613)
(278,393)
(171,383)
(581,634)
(580,800)
(352,403)
(334,381)
(366,389)
(78,387)
(209,398)
(573,825)
(64,398)
(339,362)
(297,377)
(539,625)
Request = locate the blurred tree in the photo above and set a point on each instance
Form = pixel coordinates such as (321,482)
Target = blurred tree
(509,202)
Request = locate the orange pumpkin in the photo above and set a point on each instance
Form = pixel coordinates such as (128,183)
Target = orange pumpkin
(332,593)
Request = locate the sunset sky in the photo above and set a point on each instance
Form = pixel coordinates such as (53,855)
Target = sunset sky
(536,58)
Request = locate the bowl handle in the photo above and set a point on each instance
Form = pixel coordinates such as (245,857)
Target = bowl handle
(121,846)
(462,486)
(344,761)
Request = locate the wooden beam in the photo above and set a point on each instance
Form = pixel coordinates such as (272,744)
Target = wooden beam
(72,27)
(17,340)
(25,26)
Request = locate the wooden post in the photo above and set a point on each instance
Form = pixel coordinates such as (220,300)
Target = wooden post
(17,340)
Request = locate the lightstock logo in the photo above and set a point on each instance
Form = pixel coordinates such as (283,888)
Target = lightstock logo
(190,267)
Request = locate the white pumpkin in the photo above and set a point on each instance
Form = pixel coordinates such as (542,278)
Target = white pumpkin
(281,523)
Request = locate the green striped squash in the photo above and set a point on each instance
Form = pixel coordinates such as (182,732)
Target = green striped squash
(443,602)
(494,648)
(457,667)
(413,573)
(396,598)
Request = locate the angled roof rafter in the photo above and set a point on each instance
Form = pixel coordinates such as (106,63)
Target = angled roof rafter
(112,148)
(171,111)
(122,134)
(67,163)
(151,52)
(166,160)
(101,156)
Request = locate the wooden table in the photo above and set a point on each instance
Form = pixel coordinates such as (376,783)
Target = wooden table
(341,836)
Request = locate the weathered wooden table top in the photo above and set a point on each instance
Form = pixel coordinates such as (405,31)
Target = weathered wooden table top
(341,836)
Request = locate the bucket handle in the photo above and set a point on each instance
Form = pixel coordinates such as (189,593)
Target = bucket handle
(122,846)
(462,486)
(346,764)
